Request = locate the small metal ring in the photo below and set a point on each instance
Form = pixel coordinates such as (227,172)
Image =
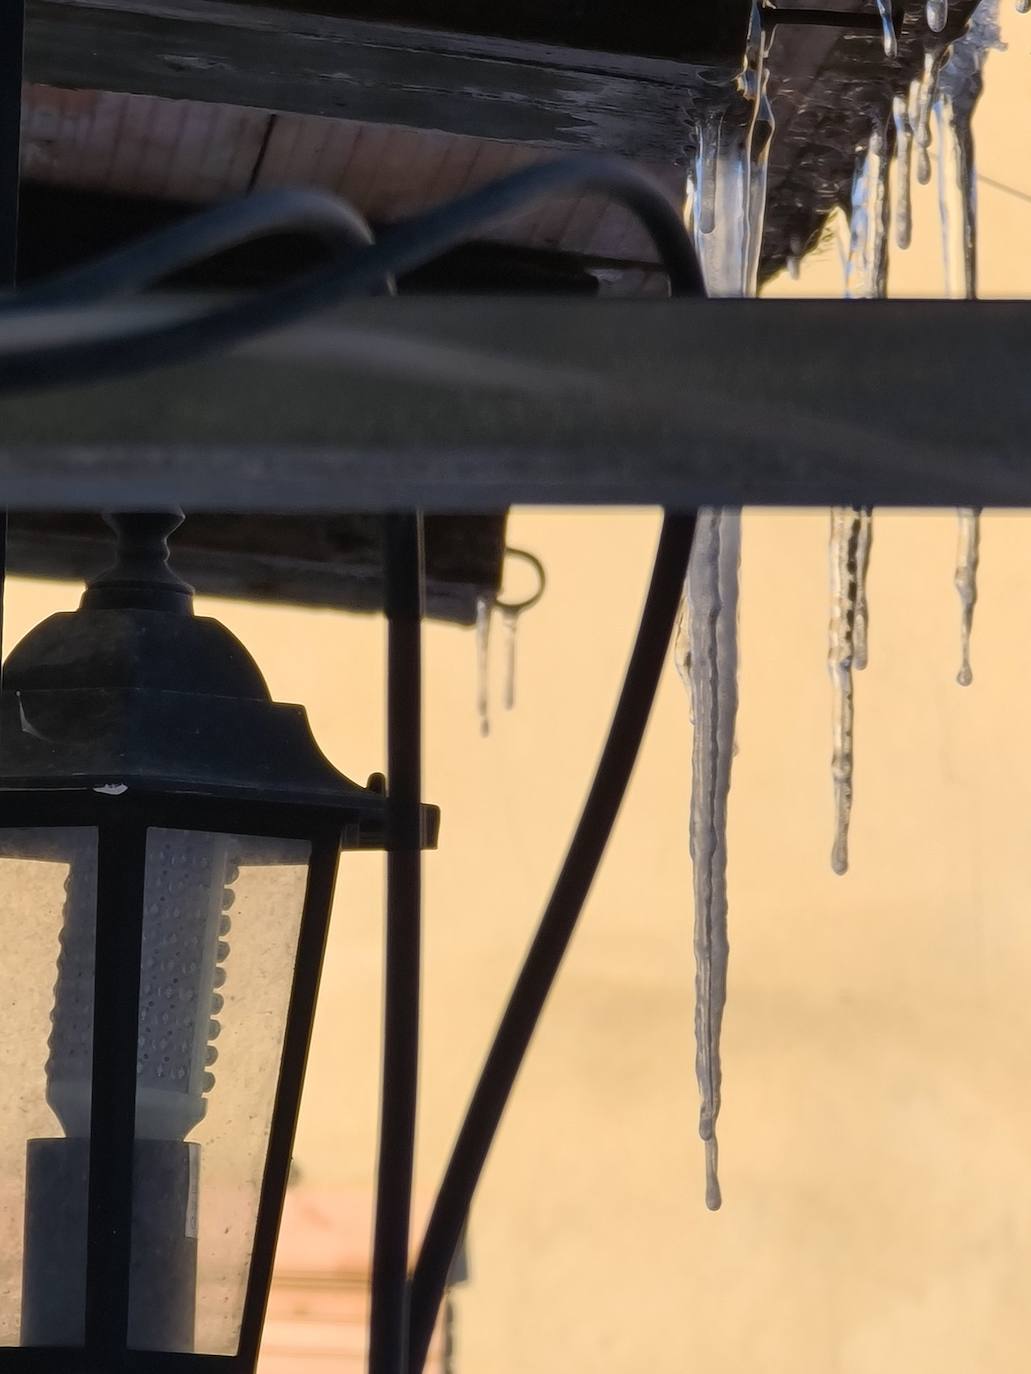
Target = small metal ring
(517,607)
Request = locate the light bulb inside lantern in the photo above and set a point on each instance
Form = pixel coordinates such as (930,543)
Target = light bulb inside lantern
(186,900)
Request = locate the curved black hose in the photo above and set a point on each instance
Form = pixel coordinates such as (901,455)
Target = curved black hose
(401,249)
(204,235)
(403,581)
(541,966)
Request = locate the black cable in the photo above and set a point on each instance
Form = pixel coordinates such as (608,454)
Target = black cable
(405,247)
(403,576)
(542,963)
(204,235)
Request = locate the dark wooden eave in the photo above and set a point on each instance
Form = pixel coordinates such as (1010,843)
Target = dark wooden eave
(538,93)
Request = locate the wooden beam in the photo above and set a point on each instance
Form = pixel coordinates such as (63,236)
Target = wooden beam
(246,54)
(328,560)
(691,30)
(455,404)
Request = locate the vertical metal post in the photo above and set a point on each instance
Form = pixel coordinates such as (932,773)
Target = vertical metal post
(12,43)
(388,1333)
(121,867)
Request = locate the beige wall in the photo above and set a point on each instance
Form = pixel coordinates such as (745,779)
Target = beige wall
(876,1128)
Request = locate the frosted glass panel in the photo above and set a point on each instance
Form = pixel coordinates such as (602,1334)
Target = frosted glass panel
(220,926)
(48,883)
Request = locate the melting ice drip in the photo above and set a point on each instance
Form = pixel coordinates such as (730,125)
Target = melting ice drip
(707,661)
(187,892)
(851,532)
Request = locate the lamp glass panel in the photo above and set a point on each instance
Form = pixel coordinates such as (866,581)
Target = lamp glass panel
(221,921)
(48,900)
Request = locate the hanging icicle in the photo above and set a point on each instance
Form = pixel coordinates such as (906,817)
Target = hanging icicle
(484,609)
(937,12)
(706,657)
(860,657)
(866,269)
(1023,6)
(725,201)
(845,559)
(923,98)
(903,172)
(967,557)
(958,88)
(733,154)
(891,43)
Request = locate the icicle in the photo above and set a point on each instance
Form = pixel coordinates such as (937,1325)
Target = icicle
(903,172)
(510,625)
(860,655)
(707,660)
(1023,6)
(725,201)
(966,584)
(729,201)
(937,14)
(957,199)
(959,87)
(866,271)
(891,42)
(483,618)
(923,100)
(845,553)
(705,175)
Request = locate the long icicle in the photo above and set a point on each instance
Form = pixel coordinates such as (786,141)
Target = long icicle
(707,658)
(846,533)
(706,653)
(958,89)
(866,277)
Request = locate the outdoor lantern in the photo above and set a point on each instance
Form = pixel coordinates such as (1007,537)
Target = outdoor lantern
(168,847)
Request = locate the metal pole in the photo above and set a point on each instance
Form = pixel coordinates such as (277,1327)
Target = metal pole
(403,558)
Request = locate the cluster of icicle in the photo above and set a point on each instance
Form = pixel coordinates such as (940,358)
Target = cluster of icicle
(725,202)
(946,91)
(725,206)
